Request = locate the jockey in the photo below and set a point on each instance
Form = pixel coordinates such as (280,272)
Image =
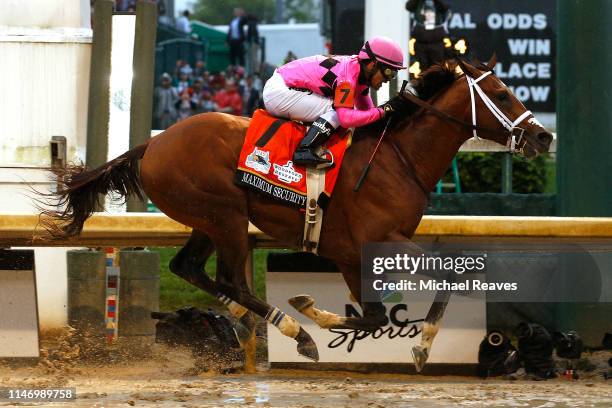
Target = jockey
(332,92)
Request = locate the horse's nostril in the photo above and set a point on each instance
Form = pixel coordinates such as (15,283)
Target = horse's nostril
(544,138)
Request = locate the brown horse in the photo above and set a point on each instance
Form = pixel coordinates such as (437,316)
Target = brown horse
(188,172)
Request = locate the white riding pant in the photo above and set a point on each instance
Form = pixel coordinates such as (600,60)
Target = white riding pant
(304,106)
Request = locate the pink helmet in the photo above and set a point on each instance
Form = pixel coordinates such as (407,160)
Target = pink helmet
(383,50)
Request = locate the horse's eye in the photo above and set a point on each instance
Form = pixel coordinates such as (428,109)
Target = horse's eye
(502,96)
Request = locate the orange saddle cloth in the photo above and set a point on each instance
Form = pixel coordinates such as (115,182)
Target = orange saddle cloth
(265,159)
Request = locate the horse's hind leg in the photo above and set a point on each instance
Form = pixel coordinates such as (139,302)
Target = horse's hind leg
(232,251)
(374,313)
(189,265)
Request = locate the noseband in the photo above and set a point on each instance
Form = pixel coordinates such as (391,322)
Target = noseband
(516,141)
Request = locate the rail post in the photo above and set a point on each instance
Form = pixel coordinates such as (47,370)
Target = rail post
(86,291)
(506,173)
(98,109)
(143,66)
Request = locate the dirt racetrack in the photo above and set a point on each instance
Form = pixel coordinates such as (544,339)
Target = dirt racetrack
(170,385)
(171,377)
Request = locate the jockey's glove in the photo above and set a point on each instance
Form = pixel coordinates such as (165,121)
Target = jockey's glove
(393,105)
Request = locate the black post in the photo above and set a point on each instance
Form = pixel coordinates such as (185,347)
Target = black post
(584,97)
(584,141)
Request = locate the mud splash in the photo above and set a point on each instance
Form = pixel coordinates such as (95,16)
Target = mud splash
(164,376)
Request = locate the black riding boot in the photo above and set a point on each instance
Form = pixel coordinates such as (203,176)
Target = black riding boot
(319,132)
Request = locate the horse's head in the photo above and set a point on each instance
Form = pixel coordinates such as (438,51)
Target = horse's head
(494,106)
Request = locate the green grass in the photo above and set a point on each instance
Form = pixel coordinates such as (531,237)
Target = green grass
(175,293)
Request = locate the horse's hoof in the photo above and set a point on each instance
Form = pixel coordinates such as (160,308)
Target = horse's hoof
(306,346)
(243,334)
(301,302)
(419,355)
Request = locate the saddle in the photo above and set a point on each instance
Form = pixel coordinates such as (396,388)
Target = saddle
(265,165)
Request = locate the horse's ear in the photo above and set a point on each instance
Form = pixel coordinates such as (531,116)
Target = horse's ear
(492,62)
(468,69)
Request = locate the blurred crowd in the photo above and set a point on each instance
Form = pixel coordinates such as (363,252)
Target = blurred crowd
(192,90)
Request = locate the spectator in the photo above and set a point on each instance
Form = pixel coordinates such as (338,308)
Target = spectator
(164,102)
(289,57)
(196,92)
(218,82)
(429,30)
(183,67)
(252,30)
(206,78)
(235,37)
(206,81)
(229,100)
(200,68)
(230,71)
(185,106)
(251,96)
(239,72)
(207,104)
(183,83)
(183,24)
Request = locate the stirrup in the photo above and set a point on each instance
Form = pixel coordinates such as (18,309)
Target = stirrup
(307,157)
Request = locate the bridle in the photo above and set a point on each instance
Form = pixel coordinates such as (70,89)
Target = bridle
(516,141)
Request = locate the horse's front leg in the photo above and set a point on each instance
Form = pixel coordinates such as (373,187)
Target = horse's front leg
(431,325)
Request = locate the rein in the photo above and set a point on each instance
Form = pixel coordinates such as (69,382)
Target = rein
(443,115)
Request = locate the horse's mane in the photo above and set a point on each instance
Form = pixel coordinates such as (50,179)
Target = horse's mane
(435,79)
(430,83)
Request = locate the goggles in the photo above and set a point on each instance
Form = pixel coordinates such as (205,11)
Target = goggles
(388,73)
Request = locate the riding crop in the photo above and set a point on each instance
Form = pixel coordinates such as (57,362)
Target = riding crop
(366,169)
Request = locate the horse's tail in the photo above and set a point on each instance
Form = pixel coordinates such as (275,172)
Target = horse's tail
(79,192)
